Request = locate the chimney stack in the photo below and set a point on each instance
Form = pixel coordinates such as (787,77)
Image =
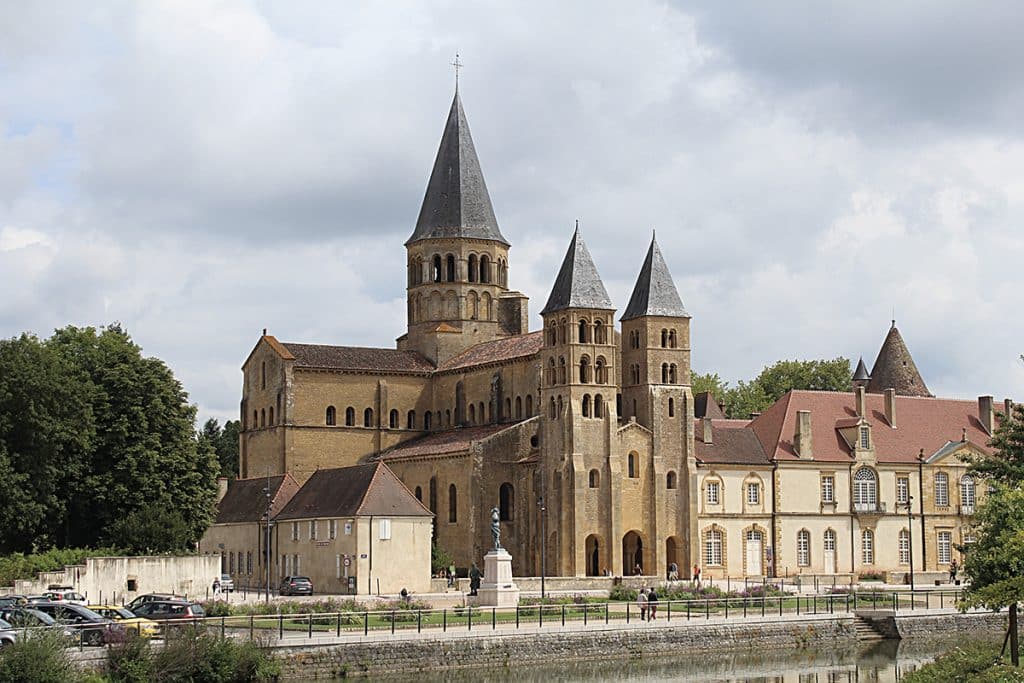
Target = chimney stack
(1008,408)
(890,406)
(802,440)
(222,488)
(706,424)
(861,400)
(986,413)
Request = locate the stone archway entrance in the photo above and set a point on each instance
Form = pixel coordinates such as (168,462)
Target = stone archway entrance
(633,554)
(672,555)
(593,551)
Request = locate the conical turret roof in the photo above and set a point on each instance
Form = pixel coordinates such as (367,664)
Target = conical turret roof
(456,203)
(861,373)
(895,368)
(654,292)
(578,285)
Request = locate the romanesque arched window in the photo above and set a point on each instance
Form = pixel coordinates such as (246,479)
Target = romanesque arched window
(600,370)
(393,419)
(671,480)
(506,502)
(599,335)
(529,406)
(633,466)
(519,407)
(419,493)
(595,479)
(263,417)
(664,338)
(485,269)
(586,405)
(453,505)
(552,334)
(332,416)
(473,271)
(449,268)
(472,414)
(561,370)
(598,406)
(664,373)
(436,272)
(585,370)
(368,417)
(271,420)
(551,410)
(671,407)
(673,378)
(427,420)
(263,375)
(410,420)
(583,329)
(672,338)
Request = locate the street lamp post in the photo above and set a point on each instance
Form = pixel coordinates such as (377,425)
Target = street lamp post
(910,537)
(269,496)
(543,543)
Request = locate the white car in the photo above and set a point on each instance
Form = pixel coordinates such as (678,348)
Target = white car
(227,585)
(68,596)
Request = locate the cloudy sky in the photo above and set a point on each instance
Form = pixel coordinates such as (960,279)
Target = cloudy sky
(199,171)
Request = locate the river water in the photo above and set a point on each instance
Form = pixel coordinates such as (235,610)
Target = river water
(884,662)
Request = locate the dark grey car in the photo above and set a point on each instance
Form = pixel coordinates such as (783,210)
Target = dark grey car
(296,585)
(93,628)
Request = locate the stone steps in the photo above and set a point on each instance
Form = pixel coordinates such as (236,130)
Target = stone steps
(865,630)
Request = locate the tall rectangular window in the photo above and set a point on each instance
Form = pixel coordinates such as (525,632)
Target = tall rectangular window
(713,548)
(248,562)
(867,547)
(332,529)
(713,492)
(904,546)
(753,494)
(803,548)
(295,531)
(902,490)
(828,488)
(941,489)
(337,566)
(865,438)
(385,529)
(945,547)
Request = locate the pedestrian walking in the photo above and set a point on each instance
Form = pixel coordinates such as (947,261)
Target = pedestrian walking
(696,576)
(652,604)
(952,570)
(641,602)
(216,588)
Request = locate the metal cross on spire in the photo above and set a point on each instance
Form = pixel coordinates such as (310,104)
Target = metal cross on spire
(458,65)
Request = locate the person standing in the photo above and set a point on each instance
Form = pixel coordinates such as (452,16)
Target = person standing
(641,602)
(216,588)
(696,576)
(474,579)
(952,570)
(451,575)
(652,604)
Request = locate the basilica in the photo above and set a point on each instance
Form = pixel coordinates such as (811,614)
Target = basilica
(586,435)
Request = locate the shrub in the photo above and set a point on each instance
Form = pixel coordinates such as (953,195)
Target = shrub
(130,661)
(622,592)
(975,662)
(871,576)
(41,658)
(217,608)
(21,566)
(197,655)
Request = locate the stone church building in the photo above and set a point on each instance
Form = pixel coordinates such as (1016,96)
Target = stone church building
(587,436)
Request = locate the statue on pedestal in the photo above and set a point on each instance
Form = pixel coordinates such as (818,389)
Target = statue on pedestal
(496,528)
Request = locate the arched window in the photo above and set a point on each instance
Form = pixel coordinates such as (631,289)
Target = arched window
(632,466)
(332,416)
(419,494)
(634,373)
(904,545)
(634,339)
(672,339)
(255,419)
(368,417)
(485,269)
(561,369)
(551,372)
(508,409)
(350,417)
(865,490)
(664,338)
(671,407)
(552,411)
(552,334)
(599,336)
(586,405)
(453,505)
(519,407)
(263,417)
(968,494)
(427,420)
(436,270)
(472,414)
(449,263)
(803,548)
(529,406)
(600,371)
(393,419)
(473,276)
(481,413)
(563,329)
(671,481)
(448,418)
(672,377)
(595,479)
(941,489)
(585,370)
(867,547)
(560,405)
(410,420)
(583,331)
(271,416)
(598,405)
(433,495)
(506,502)
(664,373)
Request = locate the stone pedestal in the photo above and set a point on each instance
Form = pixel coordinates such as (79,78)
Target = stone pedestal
(497,589)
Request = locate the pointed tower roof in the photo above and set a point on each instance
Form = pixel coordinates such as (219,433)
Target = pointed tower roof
(578,285)
(895,369)
(654,292)
(456,203)
(861,374)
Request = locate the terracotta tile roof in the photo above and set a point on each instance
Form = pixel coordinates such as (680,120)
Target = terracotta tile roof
(732,444)
(360,490)
(450,441)
(921,422)
(509,348)
(322,356)
(246,499)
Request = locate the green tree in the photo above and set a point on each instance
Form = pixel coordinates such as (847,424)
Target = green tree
(1006,466)
(820,375)
(745,399)
(710,383)
(227,449)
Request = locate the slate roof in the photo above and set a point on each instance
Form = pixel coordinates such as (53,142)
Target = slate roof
(921,422)
(499,350)
(655,293)
(861,373)
(449,441)
(578,285)
(456,203)
(731,444)
(324,357)
(360,490)
(705,405)
(895,369)
(246,499)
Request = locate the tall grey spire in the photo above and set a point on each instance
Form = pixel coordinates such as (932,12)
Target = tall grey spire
(861,373)
(894,368)
(456,203)
(578,285)
(654,292)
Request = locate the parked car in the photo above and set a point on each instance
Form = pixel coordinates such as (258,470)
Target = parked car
(27,617)
(7,634)
(227,584)
(12,600)
(32,599)
(150,597)
(296,585)
(66,595)
(128,619)
(162,610)
(93,628)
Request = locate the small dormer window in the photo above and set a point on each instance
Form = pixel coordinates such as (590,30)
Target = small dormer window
(865,438)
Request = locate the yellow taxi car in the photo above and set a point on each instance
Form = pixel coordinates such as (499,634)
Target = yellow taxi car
(144,627)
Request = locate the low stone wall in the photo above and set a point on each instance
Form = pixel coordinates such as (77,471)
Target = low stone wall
(429,653)
(973,624)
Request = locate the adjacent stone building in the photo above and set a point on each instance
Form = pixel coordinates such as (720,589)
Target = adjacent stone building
(589,438)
